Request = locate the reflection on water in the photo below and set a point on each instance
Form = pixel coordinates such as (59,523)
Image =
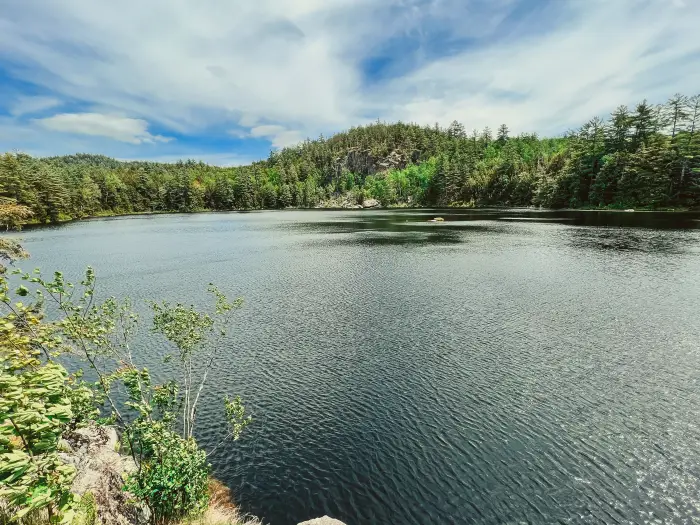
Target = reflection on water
(625,239)
(505,366)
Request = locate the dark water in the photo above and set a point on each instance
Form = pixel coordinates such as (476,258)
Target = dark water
(501,367)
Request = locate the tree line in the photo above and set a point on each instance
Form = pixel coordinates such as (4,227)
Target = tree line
(646,156)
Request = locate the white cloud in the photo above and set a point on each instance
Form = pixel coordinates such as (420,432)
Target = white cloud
(248,120)
(27,105)
(239,133)
(606,54)
(130,130)
(224,160)
(281,71)
(279,136)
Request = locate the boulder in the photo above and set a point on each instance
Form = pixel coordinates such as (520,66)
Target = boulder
(101,469)
(370,203)
(325,520)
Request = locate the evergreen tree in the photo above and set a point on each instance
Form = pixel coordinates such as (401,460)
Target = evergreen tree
(486,136)
(502,136)
(644,124)
(648,157)
(456,130)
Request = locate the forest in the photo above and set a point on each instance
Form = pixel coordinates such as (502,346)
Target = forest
(645,157)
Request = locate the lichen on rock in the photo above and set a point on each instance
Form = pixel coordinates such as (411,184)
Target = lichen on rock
(101,470)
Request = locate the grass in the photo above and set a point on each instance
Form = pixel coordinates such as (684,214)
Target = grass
(221,510)
(216,515)
(39,517)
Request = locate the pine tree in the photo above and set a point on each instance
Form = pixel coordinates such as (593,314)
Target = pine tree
(618,130)
(456,130)
(644,123)
(53,196)
(486,136)
(285,196)
(502,134)
(676,113)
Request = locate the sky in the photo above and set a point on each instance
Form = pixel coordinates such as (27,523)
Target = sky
(226,81)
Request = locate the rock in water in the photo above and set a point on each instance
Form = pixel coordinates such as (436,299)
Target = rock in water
(370,203)
(325,520)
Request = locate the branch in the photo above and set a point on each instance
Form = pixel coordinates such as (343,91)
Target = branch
(21,436)
(223,440)
(201,384)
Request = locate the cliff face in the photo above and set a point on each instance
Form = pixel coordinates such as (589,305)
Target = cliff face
(363,162)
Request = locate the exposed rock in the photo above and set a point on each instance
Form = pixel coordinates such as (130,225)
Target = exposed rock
(325,520)
(370,203)
(101,471)
(343,202)
(362,162)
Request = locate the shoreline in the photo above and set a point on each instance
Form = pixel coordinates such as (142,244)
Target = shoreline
(34,224)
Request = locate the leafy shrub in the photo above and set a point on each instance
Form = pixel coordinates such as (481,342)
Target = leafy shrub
(34,409)
(39,401)
(172,478)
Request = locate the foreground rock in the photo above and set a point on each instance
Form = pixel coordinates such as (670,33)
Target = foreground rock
(101,472)
(325,520)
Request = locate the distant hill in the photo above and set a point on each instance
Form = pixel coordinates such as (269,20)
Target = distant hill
(646,157)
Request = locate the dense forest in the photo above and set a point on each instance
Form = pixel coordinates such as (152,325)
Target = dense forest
(645,157)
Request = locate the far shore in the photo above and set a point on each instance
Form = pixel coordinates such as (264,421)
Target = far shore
(36,224)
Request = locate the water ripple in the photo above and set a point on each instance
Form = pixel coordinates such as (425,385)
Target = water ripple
(501,367)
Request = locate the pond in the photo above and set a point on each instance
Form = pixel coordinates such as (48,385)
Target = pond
(502,366)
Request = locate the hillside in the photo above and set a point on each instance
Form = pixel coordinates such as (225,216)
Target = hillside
(648,157)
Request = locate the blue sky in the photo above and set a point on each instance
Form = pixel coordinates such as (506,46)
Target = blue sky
(225,81)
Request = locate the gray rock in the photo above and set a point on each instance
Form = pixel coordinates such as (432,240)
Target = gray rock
(64,446)
(370,203)
(101,470)
(325,520)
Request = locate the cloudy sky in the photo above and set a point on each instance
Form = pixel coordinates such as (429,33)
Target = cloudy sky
(225,81)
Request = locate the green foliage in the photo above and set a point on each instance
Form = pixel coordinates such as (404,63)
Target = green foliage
(188,330)
(173,473)
(183,326)
(35,407)
(39,400)
(235,416)
(398,164)
(82,401)
(86,510)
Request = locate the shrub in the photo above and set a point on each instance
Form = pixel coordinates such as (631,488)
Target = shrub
(172,478)
(39,401)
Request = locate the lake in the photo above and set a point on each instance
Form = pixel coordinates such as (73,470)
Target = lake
(505,366)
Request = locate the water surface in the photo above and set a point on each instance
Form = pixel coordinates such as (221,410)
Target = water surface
(504,366)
